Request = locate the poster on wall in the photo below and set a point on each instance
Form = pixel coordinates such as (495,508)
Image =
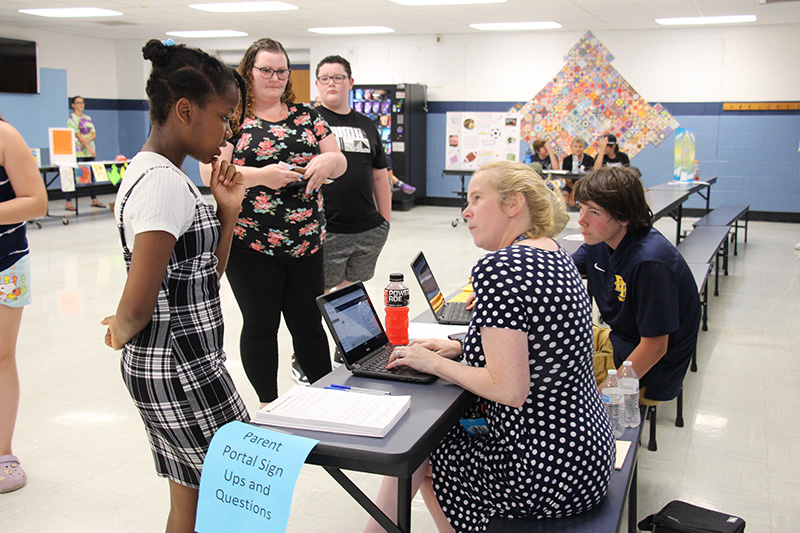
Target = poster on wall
(474,139)
(589,97)
(684,155)
(62,155)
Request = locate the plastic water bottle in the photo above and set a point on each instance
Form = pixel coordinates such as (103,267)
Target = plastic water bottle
(528,157)
(629,383)
(614,401)
(395,298)
(696,170)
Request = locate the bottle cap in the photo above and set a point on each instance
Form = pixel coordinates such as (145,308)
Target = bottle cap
(627,363)
(612,372)
(396,277)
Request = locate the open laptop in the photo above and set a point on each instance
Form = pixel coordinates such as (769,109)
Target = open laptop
(360,337)
(445,312)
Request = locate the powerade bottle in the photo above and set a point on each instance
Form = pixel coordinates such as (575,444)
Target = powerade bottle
(395,298)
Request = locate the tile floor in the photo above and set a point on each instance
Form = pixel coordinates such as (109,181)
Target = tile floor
(89,465)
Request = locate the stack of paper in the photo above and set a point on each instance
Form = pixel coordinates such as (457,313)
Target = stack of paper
(334,411)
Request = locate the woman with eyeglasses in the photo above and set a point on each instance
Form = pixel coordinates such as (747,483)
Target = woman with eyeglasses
(286,152)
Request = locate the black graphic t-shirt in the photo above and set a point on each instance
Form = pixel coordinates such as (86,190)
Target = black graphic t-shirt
(350,199)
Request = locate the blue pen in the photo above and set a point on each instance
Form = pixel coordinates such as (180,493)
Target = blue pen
(345,388)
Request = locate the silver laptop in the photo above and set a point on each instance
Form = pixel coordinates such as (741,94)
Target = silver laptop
(359,335)
(445,312)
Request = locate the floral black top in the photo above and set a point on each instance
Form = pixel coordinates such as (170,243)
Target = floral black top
(284,222)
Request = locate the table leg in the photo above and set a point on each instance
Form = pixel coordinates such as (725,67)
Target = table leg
(404,503)
(678,220)
(632,501)
(369,506)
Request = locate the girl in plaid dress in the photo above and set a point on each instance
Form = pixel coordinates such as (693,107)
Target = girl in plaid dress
(169,320)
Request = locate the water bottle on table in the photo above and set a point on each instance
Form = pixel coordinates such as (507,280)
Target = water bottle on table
(629,383)
(395,298)
(614,402)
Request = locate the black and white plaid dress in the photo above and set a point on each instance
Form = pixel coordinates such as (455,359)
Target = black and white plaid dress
(174,368)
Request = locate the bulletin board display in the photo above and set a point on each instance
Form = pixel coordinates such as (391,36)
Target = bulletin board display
(474,139)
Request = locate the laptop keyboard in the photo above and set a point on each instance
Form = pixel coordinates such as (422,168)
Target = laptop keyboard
(456,312)
(378,364)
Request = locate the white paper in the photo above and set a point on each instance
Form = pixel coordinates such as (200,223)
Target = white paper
(335,411)
(429,330)
(67,175)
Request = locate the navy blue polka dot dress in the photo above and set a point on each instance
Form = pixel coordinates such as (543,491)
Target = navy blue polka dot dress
(552,457)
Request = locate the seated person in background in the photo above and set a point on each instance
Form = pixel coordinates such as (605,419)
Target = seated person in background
(608,153)
(543,155)
(575,163)
(528,355)
(642,286)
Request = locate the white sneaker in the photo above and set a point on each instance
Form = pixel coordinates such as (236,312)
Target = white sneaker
(797,246)
(338,360)
(298,376)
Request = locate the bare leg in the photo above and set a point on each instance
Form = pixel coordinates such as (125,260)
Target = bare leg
(10,318)
(182,508)
(439,518)
(387,500)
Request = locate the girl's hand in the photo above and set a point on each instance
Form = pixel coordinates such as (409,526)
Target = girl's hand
(414,356)
(318,171)
(110,338)
(227,184)
(275,176)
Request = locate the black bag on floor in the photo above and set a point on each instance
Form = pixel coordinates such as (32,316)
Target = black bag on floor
(681,517)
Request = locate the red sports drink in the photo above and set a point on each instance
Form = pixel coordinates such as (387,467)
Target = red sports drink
(395,298)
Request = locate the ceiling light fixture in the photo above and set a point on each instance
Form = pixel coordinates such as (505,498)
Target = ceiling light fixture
(351,30)
(244,7)
(445,2)
(516,26)
(199,34)
(71,12)
(693,21)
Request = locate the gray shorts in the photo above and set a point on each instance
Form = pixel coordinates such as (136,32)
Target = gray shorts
(352,256)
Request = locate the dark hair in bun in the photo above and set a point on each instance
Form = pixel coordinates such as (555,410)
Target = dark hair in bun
(183,72)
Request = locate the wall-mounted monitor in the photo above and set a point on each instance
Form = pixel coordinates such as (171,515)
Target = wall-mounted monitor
(18,66)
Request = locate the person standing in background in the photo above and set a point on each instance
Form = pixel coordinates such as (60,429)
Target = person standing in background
(22,197)
(85,135)
(358,205)
(286,153)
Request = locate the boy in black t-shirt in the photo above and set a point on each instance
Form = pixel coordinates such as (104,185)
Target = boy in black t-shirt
(608,153)
(358,204)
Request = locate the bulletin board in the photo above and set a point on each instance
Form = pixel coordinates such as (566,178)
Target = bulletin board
(474,139)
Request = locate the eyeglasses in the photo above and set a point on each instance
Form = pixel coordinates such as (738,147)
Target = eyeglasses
(267,73)
(325,80)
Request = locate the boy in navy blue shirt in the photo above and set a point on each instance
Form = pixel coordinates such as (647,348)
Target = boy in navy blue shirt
(641,284)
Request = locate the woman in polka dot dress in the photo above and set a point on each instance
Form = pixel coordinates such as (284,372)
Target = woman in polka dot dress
(547,450)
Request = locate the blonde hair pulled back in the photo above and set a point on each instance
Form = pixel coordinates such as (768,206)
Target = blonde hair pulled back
(546,209)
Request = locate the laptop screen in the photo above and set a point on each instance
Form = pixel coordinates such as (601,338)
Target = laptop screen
(426,280)
(353,322)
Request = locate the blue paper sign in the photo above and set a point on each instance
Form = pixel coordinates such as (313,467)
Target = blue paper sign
(248,479)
